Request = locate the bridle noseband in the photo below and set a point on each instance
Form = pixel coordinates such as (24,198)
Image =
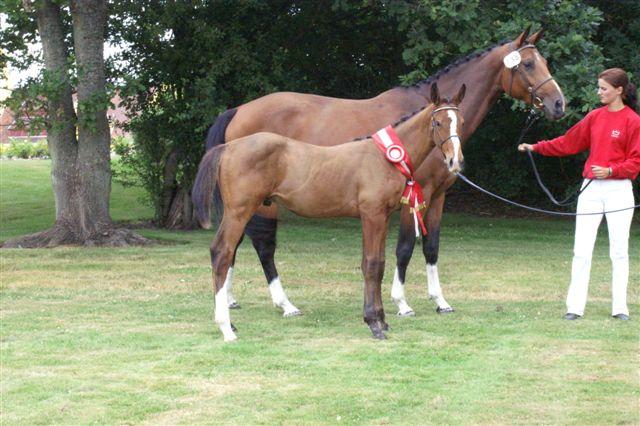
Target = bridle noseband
(536,101)
(435,129)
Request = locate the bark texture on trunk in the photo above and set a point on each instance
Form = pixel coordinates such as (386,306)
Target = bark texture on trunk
(80,167)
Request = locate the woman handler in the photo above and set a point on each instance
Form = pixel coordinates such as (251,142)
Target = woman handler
(611,133)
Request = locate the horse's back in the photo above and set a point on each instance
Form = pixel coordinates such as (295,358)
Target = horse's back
(314,119)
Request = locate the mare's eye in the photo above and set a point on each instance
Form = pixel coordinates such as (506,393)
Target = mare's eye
(528,65)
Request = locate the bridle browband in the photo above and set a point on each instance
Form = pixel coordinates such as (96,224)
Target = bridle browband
(535,100)
(435,129)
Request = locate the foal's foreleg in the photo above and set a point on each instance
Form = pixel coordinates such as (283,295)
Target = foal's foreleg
(222,254)
(262,231)
(404,250)
(374,233)
(228,282)
(430,248)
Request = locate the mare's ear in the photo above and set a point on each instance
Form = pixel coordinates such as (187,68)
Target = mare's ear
(535,37)
(519,41)
(460,96)
(435,94)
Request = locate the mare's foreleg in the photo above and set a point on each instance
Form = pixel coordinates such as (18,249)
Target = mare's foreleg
(222,255)
(262,231)
(430,248)
(374,233)
(404,250)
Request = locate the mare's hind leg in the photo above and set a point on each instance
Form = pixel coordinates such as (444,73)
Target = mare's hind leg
(431,247)
(222,253)
(374,233)
(404,250)
(262,231)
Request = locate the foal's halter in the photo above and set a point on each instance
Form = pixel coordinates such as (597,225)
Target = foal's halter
(536,101)
(435,129)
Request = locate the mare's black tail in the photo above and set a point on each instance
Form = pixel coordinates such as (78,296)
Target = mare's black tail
(206,180)
(215,135)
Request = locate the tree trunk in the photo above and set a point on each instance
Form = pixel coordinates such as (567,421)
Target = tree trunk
(80,171)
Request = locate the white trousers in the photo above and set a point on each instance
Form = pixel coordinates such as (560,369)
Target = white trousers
(602,195)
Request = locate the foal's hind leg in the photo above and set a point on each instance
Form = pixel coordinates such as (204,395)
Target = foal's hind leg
(228,282)
(404,250)
(374,233)
(262,231)
(222,253)
(431,247)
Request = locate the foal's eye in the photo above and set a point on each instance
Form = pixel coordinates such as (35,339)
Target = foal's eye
(437,123)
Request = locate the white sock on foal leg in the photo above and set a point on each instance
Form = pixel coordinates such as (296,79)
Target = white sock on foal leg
(228,284)
(280,299)
(222,317)
(397,295)
(435,292)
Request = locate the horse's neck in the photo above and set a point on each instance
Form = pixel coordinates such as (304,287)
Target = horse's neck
(416,135)
(482,78)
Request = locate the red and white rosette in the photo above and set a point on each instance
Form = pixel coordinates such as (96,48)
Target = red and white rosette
(394,151)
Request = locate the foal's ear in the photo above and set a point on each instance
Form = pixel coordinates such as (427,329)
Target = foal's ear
(519,41)
(460,96)
(535,37)
(435,94)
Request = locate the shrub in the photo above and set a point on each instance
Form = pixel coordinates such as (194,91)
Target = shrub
(40,149)
(20,150)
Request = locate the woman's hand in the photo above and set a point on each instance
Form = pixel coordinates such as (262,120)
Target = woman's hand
(601,172)
(525,147)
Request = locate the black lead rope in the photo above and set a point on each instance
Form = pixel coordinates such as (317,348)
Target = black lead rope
(535,209)
(571,199)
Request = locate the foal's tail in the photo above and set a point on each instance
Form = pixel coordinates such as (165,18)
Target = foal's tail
(215,135)
(206,180)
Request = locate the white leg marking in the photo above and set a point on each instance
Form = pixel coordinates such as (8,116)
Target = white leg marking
(435,292)
(397,295)
(222,317)
(228,284)
(280,299)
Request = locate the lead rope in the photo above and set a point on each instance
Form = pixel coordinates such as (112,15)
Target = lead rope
(571,199)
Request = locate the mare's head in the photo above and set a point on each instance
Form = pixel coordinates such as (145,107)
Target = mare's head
(446,125)
(525,76)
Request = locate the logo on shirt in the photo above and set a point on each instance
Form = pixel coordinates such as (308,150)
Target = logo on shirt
(615,133)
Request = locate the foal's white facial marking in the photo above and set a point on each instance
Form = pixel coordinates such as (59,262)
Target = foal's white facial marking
(453,128)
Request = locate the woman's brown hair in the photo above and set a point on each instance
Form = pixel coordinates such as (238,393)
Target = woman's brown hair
(617,77)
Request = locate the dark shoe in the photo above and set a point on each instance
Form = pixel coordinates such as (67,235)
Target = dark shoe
(569,316)
(622,317)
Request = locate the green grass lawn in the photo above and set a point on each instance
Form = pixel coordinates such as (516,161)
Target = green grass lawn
(127,335)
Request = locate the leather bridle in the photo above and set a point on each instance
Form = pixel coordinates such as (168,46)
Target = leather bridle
(536,101)
(435,128)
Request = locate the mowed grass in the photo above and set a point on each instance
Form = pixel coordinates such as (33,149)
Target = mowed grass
(126,336)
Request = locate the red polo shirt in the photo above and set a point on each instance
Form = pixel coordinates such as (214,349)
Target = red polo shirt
(613,139)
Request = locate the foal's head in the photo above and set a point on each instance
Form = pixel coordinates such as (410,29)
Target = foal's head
(446,125)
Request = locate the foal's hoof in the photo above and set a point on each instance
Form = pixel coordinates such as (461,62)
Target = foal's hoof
(295,313)
(444,310)
(233,328)
(408,313)
(234,305)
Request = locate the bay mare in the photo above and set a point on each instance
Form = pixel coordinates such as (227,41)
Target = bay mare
(321,120)
(349,180)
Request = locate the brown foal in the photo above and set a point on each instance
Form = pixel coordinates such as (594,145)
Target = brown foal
(349,180)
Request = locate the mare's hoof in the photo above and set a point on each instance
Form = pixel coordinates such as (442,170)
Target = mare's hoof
(233,328)
(444,310)
(234,305)
(408,313)
(385,326)
(379,335)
